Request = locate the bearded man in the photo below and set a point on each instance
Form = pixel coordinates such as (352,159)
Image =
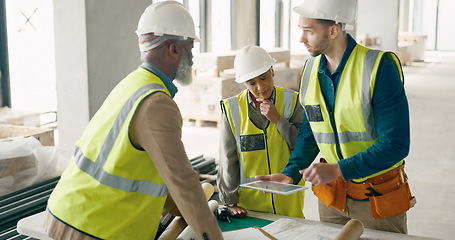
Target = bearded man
(130,161)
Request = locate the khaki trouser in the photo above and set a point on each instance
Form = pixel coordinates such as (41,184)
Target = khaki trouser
(60,231)
(361,211)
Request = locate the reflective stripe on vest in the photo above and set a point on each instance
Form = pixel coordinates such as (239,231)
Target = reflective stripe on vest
(344,137)
(233,104)
(95,168)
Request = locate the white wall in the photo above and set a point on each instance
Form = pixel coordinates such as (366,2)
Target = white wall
(31,55)
(406,14)
(379,19)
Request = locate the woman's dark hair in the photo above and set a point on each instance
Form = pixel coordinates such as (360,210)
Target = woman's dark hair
(328,23)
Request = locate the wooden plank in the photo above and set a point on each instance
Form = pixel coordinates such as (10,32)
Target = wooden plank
(44,135)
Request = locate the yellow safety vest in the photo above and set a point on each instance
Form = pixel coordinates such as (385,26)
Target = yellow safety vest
(112,190)
(262,152)
(354,129)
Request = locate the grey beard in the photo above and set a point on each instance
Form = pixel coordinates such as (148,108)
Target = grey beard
(184,75)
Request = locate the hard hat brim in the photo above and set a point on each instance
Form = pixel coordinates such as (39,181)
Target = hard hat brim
(252,75)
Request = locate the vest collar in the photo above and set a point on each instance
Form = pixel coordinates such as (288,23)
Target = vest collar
(344,59)
(166,80)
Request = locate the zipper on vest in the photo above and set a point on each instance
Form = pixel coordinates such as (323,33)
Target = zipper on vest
(335,132)
(268,162)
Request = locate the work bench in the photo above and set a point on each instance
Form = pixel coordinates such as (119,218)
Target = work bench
(31,227)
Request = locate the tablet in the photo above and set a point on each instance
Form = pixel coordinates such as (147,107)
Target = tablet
(274,187)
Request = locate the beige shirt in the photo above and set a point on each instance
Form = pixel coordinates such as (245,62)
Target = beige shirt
(157,128)
(228,178)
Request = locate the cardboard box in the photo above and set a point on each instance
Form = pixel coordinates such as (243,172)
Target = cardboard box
(200,100)
(405,53)
(370,42)
(417,41)
(44,135)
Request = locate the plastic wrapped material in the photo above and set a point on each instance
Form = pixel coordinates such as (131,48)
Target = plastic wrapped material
(24,162)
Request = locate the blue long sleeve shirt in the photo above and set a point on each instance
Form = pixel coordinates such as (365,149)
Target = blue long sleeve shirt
(391,116)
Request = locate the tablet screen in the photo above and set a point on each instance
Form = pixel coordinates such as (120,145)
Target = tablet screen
(274,187)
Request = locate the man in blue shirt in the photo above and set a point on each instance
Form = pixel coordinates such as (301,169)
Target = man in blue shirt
(357,117)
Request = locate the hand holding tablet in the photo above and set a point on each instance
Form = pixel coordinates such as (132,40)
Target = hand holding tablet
(274,187)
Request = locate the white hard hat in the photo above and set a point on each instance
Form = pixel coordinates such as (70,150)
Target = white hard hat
(250,62)
(167,17)
(340,11)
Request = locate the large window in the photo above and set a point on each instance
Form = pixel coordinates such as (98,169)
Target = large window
(435,18)
(30,44)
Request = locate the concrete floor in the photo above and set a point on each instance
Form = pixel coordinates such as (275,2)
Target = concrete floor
(430,88)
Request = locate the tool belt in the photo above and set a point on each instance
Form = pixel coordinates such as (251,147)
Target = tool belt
(388,193)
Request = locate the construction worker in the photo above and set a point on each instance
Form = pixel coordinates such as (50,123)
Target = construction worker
(130,159)
(258,132)
(357,117)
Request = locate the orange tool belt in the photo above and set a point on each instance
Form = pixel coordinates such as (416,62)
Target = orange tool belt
(388,193)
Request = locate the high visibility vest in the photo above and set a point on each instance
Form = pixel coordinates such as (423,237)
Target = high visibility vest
(354,129)
(112,190)
(262,152)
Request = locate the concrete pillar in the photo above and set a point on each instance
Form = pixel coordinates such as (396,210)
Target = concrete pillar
(95,48)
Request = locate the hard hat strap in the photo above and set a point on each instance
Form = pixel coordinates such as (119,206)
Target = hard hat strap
(158,41)
(343,27)
(152,44)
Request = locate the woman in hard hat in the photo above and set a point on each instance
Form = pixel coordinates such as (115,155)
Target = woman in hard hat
(258,132)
